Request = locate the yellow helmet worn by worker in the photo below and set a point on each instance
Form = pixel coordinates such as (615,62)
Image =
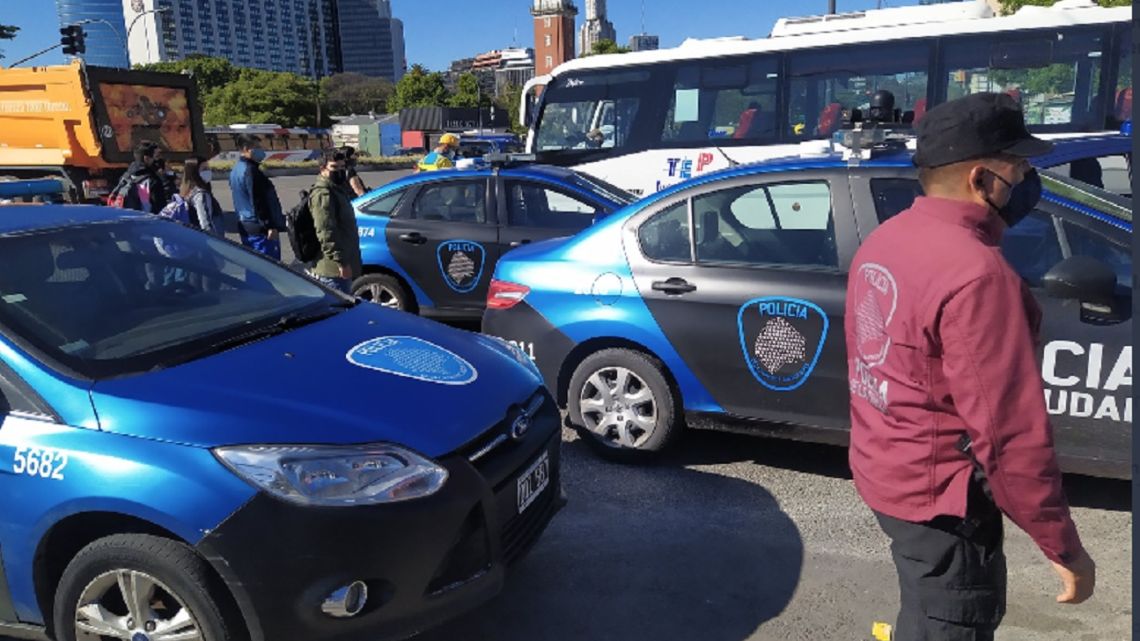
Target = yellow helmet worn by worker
(440,160)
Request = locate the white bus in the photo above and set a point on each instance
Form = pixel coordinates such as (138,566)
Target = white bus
(646,120)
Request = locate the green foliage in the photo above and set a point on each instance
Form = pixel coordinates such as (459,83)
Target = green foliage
(468,94)
(259,96)
(7,32)
(510,101)
(1010,6)
(419,88)
(210,73)
(354,93)
(605,46)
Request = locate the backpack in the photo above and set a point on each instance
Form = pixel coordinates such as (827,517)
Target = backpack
(302,231)
(180,212)
(125,195)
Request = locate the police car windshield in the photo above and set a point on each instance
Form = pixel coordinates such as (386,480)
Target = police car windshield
(1082,193)
(114,298)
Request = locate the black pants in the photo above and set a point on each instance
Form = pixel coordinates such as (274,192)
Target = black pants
(952,582)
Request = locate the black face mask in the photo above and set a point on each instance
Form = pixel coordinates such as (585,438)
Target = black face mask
(1022,198)
(338,177)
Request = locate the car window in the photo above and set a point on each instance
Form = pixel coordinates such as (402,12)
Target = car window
(532,205)
(111,299)
(1084,242)
(457,201)
(1032,248)
(665,236)
(893,195)
(1110,172)
(13,395)
(384,205)
(788,224)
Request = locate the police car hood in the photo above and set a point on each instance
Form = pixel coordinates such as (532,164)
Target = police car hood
(365,375)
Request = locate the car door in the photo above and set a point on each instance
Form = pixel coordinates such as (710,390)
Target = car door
(533,210)
(445,237)
(746,277)
(1086,365)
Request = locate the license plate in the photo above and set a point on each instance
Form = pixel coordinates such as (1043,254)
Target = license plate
(533,481)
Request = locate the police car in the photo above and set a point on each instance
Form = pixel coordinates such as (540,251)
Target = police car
(719,303)
(430,241)
(196,443)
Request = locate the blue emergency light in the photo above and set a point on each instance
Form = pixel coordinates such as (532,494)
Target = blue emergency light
(52,189)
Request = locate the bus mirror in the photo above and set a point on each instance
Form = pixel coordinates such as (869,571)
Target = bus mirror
(528,112)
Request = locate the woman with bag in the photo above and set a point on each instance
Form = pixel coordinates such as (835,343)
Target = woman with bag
(196,191)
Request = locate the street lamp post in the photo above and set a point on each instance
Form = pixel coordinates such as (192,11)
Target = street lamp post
(132,26)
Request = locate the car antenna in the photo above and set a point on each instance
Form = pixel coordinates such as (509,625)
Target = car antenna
(731,162)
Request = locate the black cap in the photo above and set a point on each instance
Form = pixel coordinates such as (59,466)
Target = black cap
(978,125)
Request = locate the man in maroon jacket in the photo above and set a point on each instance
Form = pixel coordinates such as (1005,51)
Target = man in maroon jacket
(948,421)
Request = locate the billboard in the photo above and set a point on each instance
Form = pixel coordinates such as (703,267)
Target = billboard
(132,107)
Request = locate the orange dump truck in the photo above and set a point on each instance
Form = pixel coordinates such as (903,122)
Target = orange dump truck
(82,123)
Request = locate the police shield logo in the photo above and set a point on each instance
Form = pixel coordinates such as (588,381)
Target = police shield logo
(414,358)
(461,264)
(782,339)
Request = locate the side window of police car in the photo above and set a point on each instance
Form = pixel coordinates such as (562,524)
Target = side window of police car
(13,398)
(1112,172)
(384,205)
(774,224)
(534,205)
(665,236)
(454,201)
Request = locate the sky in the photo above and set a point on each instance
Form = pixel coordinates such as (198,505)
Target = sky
(439,31)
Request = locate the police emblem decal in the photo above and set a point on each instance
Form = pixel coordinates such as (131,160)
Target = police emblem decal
(414,358)
(782,339)
(461,264)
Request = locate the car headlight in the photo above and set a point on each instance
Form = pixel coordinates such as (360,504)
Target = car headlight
(333,476)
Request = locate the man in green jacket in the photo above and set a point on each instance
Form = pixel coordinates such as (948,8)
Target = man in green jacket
(335,225)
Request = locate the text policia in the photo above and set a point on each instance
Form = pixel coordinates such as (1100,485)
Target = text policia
(1086,381)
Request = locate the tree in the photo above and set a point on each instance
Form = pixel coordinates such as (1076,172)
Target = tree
(1010,6)
(467,93)
(419,88)
(261,97)
(605,46)
(209,73)
(510,101)
(7,32)
(354,93)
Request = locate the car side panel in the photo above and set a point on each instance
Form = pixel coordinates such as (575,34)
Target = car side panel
(376,252)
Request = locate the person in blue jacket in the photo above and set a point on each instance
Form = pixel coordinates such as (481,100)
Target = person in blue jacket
(260,218)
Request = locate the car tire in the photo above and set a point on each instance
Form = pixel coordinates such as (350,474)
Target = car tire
(384,290)
(622,404)
(173,578)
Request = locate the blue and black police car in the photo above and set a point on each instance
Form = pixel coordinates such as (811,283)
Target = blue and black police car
(197,443)
(718,303)
(430,241)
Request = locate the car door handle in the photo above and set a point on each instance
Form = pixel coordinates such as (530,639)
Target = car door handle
(520,243)
(674,286)
(414,238)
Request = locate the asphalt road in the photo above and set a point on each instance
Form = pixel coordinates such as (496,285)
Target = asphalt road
(732,538)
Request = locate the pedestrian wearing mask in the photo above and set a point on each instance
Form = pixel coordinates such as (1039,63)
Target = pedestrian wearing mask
(260,218)
(335,225)
(355,183)
(141,187)
(196,192)
(948,421)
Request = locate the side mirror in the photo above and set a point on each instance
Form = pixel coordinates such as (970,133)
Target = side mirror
(528,112)
(1081,278)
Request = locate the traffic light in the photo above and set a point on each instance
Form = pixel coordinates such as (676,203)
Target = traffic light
(71,37)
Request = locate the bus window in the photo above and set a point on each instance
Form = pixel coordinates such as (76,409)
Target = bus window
(594,111)
(827,84)
(1121,107)
(725,100)
(1055,75)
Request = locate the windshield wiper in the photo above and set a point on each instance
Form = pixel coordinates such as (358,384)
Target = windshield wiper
(283,324)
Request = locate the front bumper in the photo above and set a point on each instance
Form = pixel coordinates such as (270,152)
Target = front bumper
(424,561)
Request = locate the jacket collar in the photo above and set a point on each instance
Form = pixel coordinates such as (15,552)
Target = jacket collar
(986,226)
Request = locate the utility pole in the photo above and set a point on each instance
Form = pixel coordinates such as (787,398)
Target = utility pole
(831,6)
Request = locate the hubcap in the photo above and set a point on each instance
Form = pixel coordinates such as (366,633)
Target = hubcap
(381,295)
(133,606)
(618,406)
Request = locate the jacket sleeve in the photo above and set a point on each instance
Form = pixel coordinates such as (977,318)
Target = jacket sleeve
(273,203)
(990,362)
(202,206)
(242,188)
(324,221)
